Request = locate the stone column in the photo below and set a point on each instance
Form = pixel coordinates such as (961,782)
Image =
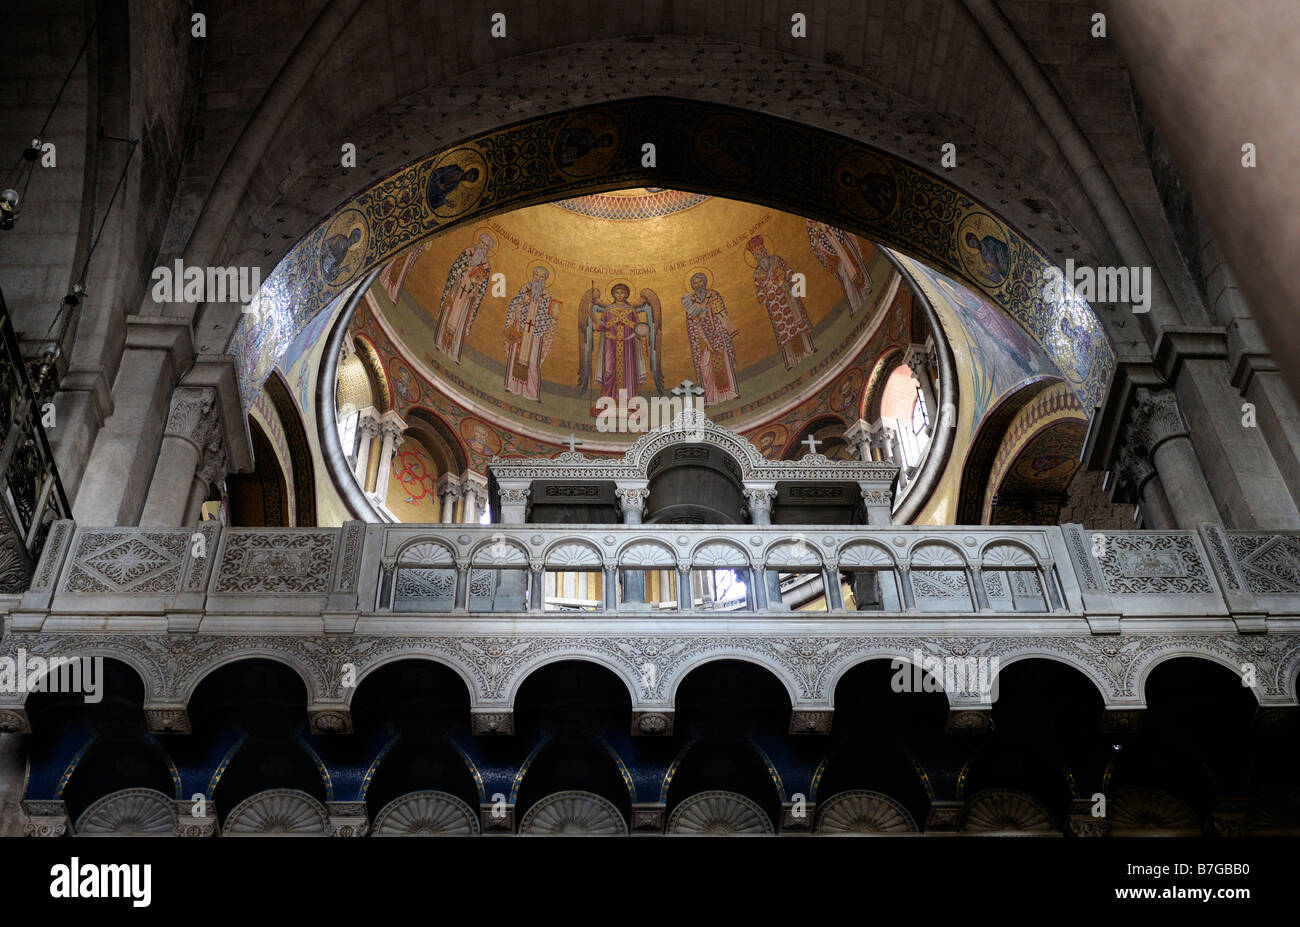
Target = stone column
(474,489)
(1137,471)
(514,502)
(191,427)
(448,492)
(631,501)
(368,429)
(760,499)
(1158,428)
(860,436)
(879,504)
(391,427)
(919,361)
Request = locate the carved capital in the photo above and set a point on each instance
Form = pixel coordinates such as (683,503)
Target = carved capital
(631,499)
(652,723)
(13,720)
(347,819)
(189,824)
(1156,419)
(170,720)
(648,818)
(192,412)
(1133,467)
(492,722)
(760,499)
(968,721)
(811,721)
(334,719)
(513,496)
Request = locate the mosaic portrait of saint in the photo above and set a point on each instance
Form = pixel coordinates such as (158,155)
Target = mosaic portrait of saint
(619,341)
(838,252)
(467,282)
(711,334)
(774,290)
(529,330)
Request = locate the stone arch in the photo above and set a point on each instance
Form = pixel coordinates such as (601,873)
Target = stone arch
(650,551)
(936,553)
(300,455)
(792,553)
(1188,650)
(308,675)
(510,553)
(629,675)
(381,390)
(977,469)
(260,498)
(874,391)
(1106,686)
(439,438)
(153,681)
(426,551)
(763,126)
(573,552)
(399,656)
(835,674)
(700,661)
(721,553)
(1016,551)
(867,554)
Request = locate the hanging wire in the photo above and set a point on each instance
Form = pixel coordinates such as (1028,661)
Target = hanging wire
(79,288)
(30,153)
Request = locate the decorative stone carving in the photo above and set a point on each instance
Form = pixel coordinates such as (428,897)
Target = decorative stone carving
(943,816)
(497,820)
(330,720)
(426,814)
(134,812)
(1270,562)
(1156,418)
(45,818)
(167,720)
(1006,811)
(719,813)
(1150,812)
(652,723)
(811,721)
(1153,564)
(863,812)
(492,722)
(968,721)
(188,824)
(573,814)
(760,500)
(512,496)
(648,817)
(1134,467)
(347,819)
(13,720)
(192,413)
(277,812)
(631,499)
(127,560)
(258,562)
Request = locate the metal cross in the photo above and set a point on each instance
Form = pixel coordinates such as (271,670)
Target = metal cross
(686,391)
(812,444)
(573,442)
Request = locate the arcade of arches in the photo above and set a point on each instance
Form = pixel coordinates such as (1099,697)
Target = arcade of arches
(604,328)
